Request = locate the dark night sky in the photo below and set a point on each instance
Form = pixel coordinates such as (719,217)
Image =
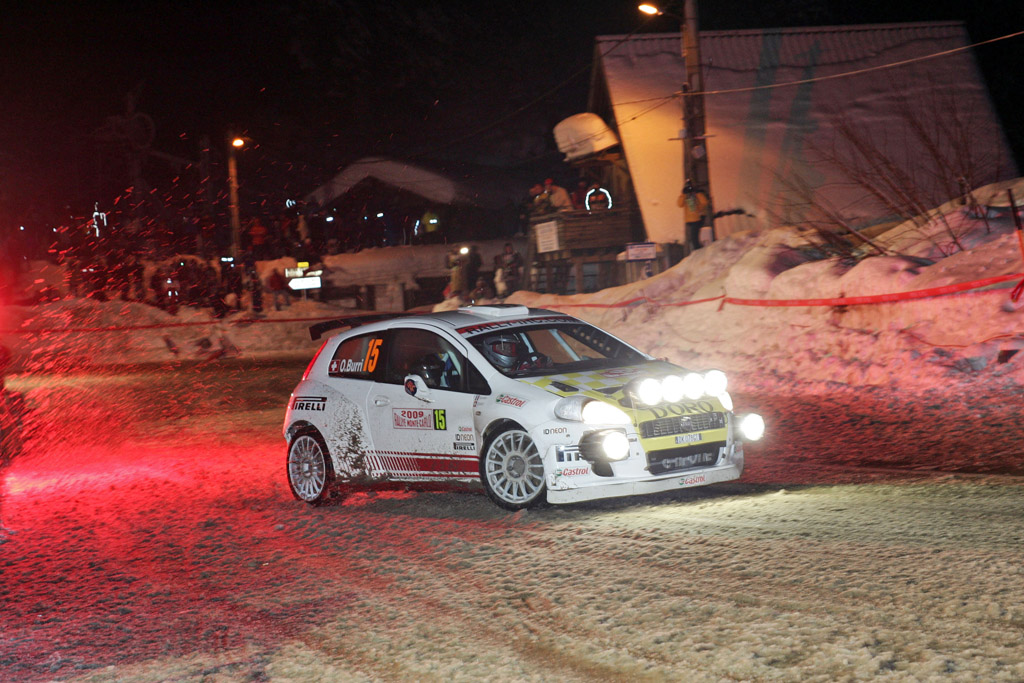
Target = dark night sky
(320,82)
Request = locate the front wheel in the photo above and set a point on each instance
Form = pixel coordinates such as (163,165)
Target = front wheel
(512,470)
(310,474)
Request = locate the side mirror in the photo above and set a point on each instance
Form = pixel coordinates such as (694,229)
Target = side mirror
(415,386)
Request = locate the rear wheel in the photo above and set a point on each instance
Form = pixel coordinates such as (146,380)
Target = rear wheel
(512,470)
(310,474)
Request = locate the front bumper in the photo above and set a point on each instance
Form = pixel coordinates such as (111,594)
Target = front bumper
(567,483)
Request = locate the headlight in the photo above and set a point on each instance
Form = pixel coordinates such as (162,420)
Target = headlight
(615,445)
(601,413)
(752,427)
(715,382)
(726,400)
(649,391)
(673,389)
(693,386)
(570,408)
(583,409)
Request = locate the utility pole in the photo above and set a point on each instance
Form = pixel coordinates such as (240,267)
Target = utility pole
(695,151)
(236,223)
(693,134)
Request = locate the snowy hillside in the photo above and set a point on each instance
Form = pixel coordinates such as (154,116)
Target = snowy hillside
(912,344)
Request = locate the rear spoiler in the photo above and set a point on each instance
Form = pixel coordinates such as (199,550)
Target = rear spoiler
(319,329)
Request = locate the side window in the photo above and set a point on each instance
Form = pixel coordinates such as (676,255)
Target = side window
(423,353)
(357,357)
(475,382)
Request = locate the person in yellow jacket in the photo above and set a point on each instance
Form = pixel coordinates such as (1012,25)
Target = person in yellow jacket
(695,210)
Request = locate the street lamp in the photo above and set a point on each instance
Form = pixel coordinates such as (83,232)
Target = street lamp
(236,223)
(695,153)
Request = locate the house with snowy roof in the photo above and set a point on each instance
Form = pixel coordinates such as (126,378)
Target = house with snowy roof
(793,118)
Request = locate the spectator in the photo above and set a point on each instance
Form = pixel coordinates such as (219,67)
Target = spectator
(597,199)
(540,201)
(557,195)
(231,281)
(579,195)
(278,289)
(457,274)
(482,292)
(258,236)
(255,287)
(695,210)
(511,265)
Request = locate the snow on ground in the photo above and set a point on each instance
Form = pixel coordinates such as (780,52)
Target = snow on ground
(155,539)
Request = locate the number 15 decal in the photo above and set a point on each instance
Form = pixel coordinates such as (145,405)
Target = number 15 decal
(373,354)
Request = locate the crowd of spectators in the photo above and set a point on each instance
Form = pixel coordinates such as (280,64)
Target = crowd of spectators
(549,197)
(169,269)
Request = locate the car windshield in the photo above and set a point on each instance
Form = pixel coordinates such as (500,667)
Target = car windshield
(553,349)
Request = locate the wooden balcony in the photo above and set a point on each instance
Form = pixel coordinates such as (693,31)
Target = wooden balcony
(575,251)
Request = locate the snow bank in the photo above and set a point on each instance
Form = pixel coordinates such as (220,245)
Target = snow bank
(914,345)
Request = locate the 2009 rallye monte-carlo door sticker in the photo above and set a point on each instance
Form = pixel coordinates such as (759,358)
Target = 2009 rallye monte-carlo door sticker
(405,418)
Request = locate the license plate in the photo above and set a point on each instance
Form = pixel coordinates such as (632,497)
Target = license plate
(689,438)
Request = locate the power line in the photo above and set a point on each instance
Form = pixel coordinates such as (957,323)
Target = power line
(845,74)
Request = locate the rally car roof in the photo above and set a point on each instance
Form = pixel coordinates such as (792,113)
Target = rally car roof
(464,319)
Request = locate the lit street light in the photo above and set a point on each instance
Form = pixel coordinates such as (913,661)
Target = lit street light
(695,152)
(236,222)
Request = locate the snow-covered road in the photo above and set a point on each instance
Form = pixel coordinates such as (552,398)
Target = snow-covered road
(156,540)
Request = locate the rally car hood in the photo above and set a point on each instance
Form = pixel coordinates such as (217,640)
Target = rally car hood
(609,385)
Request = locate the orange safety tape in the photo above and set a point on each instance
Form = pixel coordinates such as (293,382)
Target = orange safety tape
(878,298)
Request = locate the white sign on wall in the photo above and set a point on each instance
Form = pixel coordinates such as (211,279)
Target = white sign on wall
(547,237)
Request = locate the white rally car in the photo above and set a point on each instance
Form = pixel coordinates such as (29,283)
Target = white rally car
(532,403)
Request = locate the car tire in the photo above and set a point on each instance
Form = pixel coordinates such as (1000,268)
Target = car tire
(310,472)
(512,470)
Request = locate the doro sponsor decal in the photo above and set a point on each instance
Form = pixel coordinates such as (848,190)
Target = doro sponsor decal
(418,419)
(508,400)
(682,408)
(314,403)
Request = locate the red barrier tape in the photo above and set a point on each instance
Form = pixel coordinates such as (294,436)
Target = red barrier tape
(1017,291)
(878,298)
(841,301)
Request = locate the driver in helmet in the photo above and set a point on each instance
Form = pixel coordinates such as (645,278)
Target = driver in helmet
(509,354)
(503,351)
(430,368)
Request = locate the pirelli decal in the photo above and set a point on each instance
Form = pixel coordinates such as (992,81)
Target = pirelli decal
(317,404)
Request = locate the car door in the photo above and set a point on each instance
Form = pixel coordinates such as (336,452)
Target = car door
(340,412)
(424,429)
